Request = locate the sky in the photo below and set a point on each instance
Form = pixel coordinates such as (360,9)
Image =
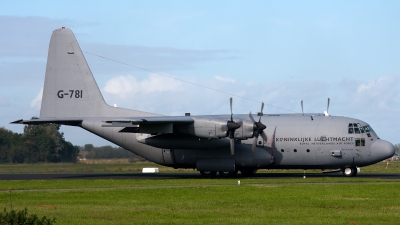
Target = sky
(278,52)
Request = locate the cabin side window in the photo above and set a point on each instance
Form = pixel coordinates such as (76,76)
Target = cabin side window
(360,141)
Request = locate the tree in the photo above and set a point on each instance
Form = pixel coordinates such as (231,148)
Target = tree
(88,147)
(397,149)
(38,143)
(49,144)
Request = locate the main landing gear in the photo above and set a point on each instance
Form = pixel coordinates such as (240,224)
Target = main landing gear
(208,174)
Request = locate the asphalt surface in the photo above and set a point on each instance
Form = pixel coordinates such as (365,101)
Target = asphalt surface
(179,176)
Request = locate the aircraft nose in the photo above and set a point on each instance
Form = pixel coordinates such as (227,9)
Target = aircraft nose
(382,149)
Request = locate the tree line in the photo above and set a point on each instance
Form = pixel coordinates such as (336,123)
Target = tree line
(89,151)
(38,143)
(45,143)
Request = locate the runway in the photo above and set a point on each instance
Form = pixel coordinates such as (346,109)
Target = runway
(181,176)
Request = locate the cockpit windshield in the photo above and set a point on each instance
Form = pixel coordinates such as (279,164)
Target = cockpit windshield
(367,128)
(356,128)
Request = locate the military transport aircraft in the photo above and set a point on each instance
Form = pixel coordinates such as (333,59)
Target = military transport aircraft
(215,143)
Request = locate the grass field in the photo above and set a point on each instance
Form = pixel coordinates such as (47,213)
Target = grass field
(123,166)
(326,200)
(209,201)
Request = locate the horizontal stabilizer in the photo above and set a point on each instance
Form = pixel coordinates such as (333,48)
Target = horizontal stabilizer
(64,121)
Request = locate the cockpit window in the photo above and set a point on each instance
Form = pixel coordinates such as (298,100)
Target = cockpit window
(356,128)
(360,127)
(351,129)
(368,128)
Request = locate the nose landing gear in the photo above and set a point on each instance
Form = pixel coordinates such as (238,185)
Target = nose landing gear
(350,171)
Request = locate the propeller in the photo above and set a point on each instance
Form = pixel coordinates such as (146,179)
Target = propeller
(327,108)
(232,126)
(258,128)
(273,147)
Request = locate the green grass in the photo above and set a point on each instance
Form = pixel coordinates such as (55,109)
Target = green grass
(209,201)
(122,166)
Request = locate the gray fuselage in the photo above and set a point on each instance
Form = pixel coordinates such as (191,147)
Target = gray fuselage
(293,141)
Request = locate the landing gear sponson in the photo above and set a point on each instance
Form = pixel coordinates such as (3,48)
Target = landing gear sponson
(249,172)
(227,174)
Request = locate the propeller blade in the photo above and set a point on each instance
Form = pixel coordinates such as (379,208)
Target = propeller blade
(327,109)
(264,136)
(302,107)
(262,108)
(231,109)
(251,117)
(254,143)
(272,160)
(232,140)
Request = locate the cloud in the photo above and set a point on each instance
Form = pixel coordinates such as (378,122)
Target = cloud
(381,93)
(129,86)
(167,96)
(225,79)
(37,101)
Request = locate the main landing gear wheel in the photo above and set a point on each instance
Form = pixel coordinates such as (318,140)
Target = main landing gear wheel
(226,174)
(248,172)
(208,174)
(350,171)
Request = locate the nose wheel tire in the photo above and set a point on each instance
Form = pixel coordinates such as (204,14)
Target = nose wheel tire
(208,174)
(226,174)
(350,171)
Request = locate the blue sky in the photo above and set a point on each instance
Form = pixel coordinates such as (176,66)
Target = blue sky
(279,52)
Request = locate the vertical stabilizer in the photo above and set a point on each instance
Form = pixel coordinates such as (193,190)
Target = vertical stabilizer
(70,89)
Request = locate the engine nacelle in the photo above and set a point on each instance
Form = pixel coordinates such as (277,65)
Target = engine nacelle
(208,128)
(217,128)
(246,130)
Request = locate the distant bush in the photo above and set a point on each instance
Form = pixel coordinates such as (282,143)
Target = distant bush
(22,217)
(88,151)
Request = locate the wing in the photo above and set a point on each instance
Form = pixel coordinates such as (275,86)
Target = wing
(150,125)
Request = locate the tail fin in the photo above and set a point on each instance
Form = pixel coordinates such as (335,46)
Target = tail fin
(70,89)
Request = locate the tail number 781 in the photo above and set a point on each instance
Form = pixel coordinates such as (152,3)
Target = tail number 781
(70,93)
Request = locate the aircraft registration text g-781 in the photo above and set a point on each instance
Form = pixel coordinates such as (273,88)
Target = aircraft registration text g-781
(70,93)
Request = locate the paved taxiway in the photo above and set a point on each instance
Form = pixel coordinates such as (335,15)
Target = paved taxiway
(178,176)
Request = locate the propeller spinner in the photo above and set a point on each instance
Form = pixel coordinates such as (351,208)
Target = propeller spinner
(258,128)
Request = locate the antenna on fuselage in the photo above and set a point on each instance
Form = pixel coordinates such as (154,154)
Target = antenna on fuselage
(302,107)
(327,108)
